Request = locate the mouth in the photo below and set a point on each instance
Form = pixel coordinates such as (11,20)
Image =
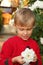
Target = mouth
(25,37)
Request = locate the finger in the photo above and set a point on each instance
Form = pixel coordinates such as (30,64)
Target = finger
(23,62)
(35,59)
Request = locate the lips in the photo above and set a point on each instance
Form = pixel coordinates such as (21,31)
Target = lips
(25,37)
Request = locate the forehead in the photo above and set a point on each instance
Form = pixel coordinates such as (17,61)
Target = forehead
(28,23)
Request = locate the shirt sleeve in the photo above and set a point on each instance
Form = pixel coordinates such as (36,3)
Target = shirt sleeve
(37,51)
(7,52)
(5,62)
(39,60)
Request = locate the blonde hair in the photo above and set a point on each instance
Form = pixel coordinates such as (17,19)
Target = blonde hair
(23,16)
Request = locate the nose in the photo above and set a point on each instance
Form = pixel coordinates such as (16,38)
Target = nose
(25,32)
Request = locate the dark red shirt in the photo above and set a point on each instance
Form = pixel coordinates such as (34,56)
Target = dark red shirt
(15,45)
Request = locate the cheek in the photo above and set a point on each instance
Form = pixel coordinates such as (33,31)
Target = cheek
(30,32)
(19,32)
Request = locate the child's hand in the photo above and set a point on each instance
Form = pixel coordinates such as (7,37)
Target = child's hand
(18,59)
(35,58)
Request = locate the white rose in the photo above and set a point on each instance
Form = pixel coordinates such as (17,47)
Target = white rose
(28,55)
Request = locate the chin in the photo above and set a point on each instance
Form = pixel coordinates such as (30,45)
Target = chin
(25,38)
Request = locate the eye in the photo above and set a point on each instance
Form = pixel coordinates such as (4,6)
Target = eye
(21,29)
(29,29)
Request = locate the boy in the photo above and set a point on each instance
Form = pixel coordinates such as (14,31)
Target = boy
(12,48)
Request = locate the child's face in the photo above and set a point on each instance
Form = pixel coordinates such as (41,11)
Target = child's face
(24,31)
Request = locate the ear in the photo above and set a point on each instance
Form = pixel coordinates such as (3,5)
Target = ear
(15,28)
(14,24)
